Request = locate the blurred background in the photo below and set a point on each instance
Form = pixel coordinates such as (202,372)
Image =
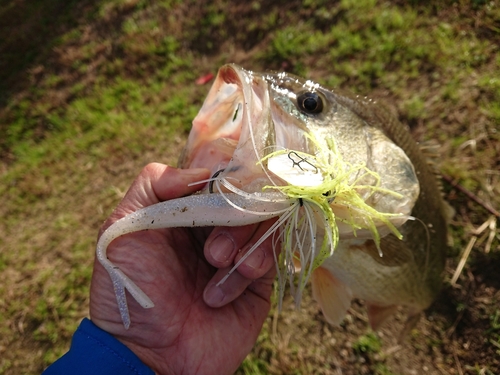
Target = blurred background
(93,90)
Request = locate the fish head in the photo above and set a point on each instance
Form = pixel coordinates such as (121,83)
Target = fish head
(248,116)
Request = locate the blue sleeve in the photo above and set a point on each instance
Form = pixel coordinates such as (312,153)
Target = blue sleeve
(94,351)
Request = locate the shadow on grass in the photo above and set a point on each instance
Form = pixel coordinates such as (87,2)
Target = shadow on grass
(28,32)
(31,32)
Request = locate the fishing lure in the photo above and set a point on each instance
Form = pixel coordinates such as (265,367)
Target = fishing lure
(309,229)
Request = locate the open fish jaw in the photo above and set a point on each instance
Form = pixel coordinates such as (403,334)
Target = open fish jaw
(236,105)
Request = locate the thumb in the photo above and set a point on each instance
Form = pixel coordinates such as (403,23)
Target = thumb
(156,183)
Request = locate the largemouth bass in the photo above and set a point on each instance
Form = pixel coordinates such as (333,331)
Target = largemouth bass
(359,210)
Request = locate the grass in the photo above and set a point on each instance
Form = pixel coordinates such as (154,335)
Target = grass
(494,331)
(367,344)
(91,93)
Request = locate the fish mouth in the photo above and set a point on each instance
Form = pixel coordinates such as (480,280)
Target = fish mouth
(233,129)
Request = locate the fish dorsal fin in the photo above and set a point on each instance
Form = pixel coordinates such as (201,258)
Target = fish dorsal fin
(395,253)
(333,296)
(430,150)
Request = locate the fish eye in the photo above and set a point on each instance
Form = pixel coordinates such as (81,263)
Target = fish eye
(310,102)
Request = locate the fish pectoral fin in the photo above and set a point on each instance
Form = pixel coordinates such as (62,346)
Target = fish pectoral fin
(333,296)
(378,314)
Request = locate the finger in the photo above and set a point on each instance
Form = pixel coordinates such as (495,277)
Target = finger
(219,295)
(223,244)
(157,182)
(261,258)
(256,266)
(226,245)
(235,286)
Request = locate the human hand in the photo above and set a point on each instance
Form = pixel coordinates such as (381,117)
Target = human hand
(195,327)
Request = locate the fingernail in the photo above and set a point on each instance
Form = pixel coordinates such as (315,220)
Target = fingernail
(221,248)
(255,260)
(214,296)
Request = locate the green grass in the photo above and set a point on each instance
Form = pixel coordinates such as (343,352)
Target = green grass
(493,332)
(367,344)
(93,92)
